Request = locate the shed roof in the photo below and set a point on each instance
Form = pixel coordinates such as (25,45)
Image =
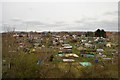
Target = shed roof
(85,63)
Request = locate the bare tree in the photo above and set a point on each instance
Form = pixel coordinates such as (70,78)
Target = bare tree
(8,28)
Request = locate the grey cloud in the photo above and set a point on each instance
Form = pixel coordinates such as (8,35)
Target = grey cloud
(16,19)
(111,13)
(57,25)
(79,21)
(93,25)
(86,19)
(37,25)
(91,18)
(61,26)
(33,23)
(81,28)
(107,25)
(60,22)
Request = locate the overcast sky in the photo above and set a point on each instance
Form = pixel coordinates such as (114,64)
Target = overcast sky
(60,16)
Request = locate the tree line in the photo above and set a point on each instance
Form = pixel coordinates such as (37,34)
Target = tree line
(97,33)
